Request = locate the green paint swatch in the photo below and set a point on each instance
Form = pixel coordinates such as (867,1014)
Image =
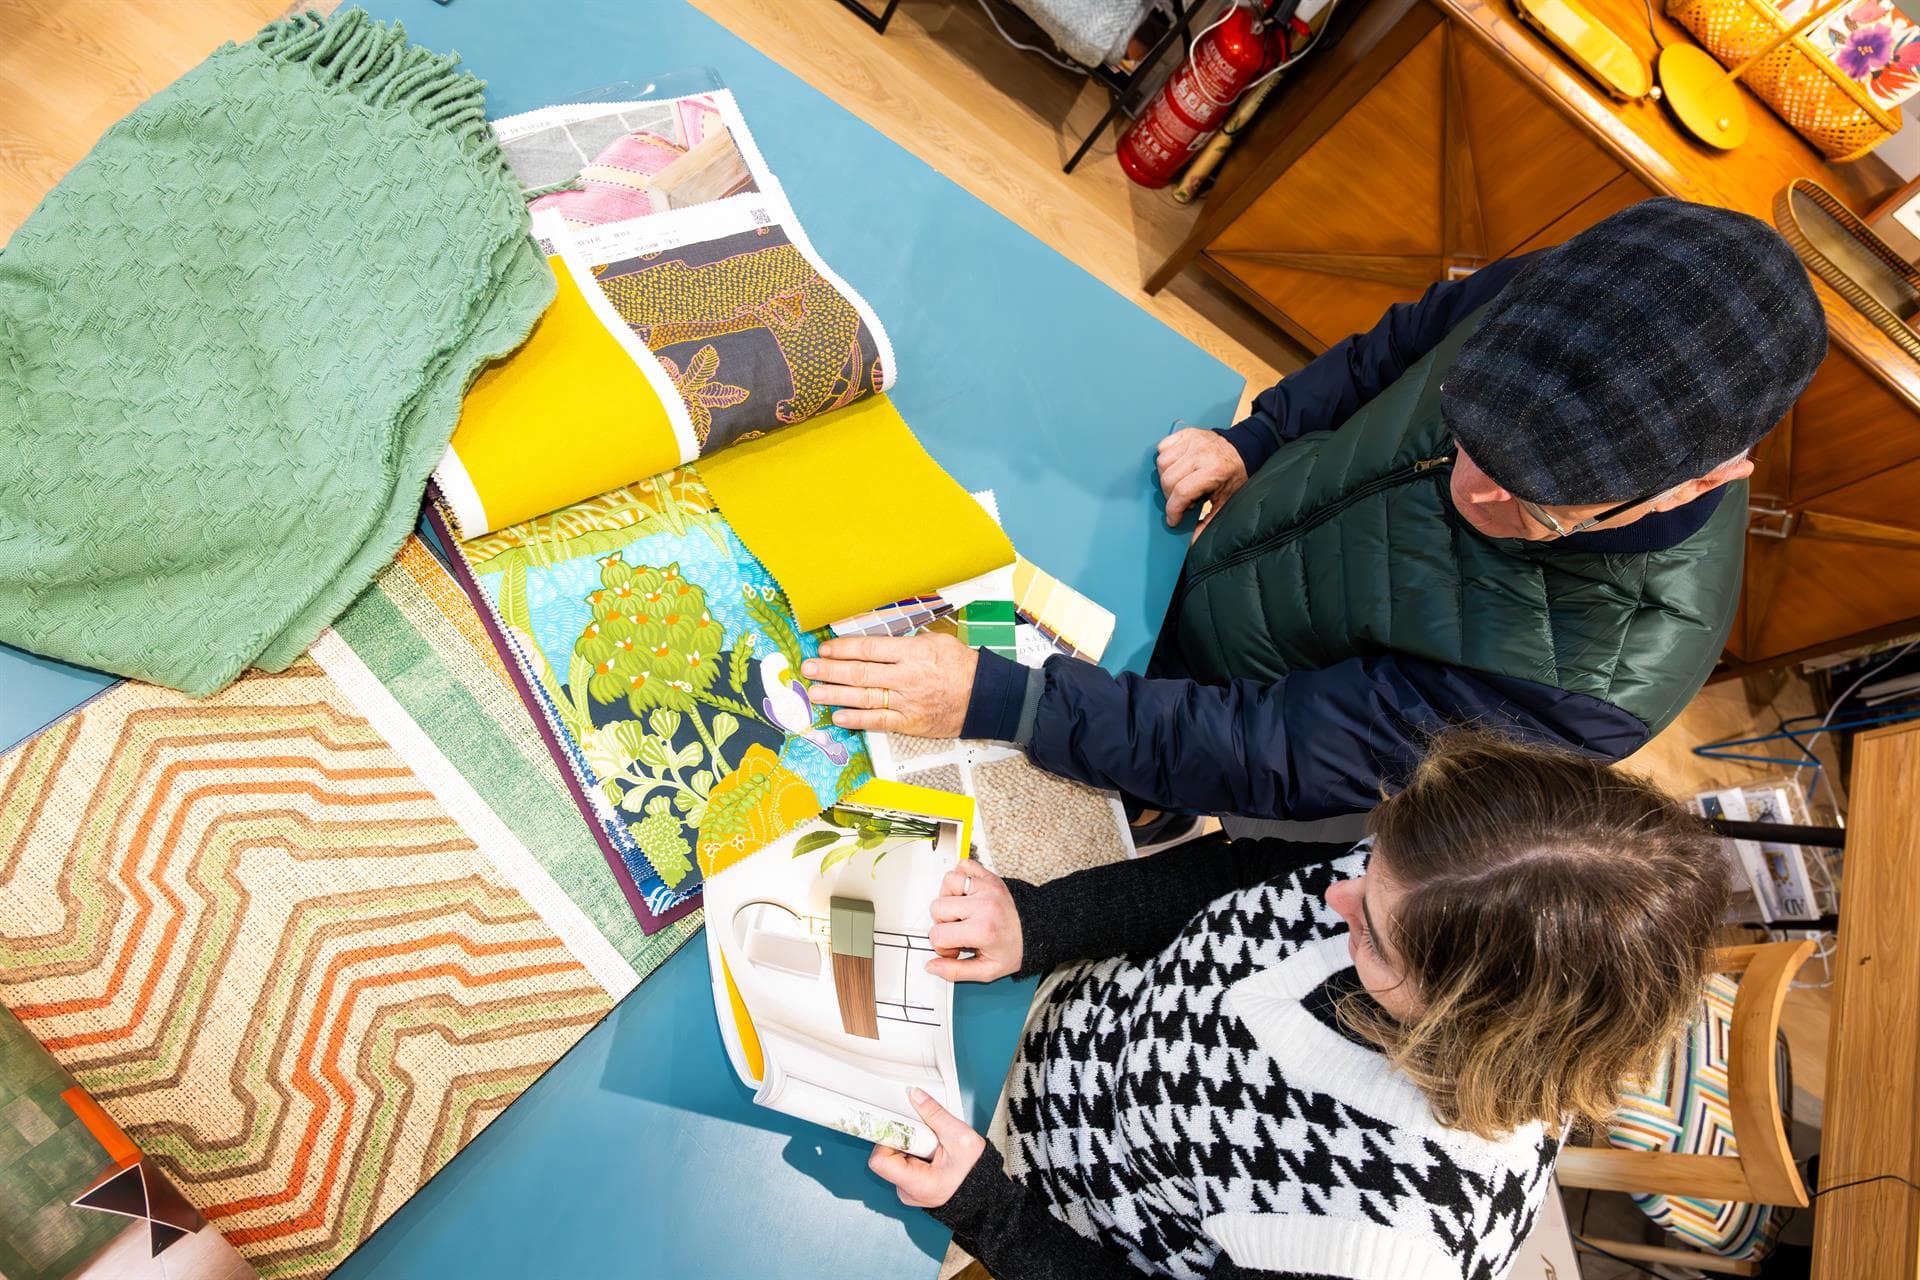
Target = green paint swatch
(989,624)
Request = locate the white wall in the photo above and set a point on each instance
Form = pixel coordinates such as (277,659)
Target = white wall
(1902,150)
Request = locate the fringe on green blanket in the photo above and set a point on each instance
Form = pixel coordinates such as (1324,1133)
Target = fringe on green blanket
(373,61)
(555,188)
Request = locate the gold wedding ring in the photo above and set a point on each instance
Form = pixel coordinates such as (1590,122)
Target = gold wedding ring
(886,699)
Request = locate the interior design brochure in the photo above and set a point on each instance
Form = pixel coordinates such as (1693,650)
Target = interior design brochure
(818,948)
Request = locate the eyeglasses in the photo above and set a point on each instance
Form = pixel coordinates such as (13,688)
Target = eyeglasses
(1559,530)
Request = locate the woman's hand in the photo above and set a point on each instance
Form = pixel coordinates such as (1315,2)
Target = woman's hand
(1196,466)
(916,685)
(930,1183)
(974,912)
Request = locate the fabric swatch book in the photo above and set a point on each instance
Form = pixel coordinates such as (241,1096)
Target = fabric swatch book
(661,657)
(655,616)
(818,948)
(700,323)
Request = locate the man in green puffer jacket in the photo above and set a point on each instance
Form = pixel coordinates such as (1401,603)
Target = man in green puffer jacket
(1519,502)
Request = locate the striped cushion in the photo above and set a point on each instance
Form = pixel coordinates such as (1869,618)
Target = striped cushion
(1684,1108)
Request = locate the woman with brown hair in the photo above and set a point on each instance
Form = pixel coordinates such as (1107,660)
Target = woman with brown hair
(1301,1060)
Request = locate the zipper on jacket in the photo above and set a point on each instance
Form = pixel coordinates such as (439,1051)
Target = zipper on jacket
(1424,467)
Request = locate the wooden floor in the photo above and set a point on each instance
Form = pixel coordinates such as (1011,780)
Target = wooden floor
(942,84)
(70,68)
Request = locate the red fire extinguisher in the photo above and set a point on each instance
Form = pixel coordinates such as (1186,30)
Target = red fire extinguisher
(1237,51)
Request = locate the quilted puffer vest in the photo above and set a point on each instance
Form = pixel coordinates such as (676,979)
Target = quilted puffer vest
(1345,544)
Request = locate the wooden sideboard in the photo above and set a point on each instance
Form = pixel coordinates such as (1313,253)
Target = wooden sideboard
(1433,136)
(1866,1225)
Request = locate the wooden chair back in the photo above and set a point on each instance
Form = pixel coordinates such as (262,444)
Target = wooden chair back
(1763,1172)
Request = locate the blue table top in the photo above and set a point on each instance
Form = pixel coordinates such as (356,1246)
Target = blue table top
(640,1153)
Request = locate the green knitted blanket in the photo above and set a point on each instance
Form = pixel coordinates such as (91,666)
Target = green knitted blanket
(234,342)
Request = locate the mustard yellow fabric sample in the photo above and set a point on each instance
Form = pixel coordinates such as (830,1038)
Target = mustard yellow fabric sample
(569,415)
(916,529)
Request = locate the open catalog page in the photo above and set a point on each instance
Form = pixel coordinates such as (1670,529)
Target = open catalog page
(751,328)
(691,312)
(600,162)
(818,945)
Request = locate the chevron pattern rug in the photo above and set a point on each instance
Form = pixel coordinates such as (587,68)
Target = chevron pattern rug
(287,943)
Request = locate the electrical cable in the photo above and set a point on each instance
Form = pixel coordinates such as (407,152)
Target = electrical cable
(1861,1182)
(1326,16)
(1194,66)
(1804,741)
(1581,1239)
(1835,706)
(1829,943)
(1791,731)
(1193,54)
(1841,1186)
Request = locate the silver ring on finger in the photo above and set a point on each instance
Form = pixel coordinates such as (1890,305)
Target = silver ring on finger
(966,885)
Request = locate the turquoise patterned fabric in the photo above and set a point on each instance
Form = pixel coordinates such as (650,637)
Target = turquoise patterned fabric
(666,661)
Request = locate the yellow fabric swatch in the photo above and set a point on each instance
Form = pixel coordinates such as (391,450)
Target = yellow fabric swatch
(566,416)
(917,528)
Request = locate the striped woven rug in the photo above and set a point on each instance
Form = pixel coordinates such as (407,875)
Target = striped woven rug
(298,951)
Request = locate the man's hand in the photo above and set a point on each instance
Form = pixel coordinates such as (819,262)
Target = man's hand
(928,1184)
(916,685)
(1197,465)
(974,912)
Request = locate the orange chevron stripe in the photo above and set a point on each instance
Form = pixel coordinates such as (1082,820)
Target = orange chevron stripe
(123,965)
(303,1078)
(193,713)
(459,844)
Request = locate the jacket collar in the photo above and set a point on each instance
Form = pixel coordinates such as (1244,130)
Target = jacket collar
(1655,532)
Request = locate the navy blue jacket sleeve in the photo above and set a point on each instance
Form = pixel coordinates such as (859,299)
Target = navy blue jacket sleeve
(1312,745)
(1326,391)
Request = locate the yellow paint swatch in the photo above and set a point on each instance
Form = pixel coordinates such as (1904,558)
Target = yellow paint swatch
(1062,614)
(916,528)
(566,416)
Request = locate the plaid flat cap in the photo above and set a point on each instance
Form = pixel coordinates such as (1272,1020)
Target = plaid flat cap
(1642,353)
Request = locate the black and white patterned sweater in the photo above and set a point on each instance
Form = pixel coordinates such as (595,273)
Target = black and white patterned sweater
(1188,1105)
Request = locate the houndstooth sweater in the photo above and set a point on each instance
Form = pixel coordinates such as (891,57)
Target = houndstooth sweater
(1197,1111)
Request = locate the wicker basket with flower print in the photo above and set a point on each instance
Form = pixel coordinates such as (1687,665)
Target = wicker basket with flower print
(1805,87)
